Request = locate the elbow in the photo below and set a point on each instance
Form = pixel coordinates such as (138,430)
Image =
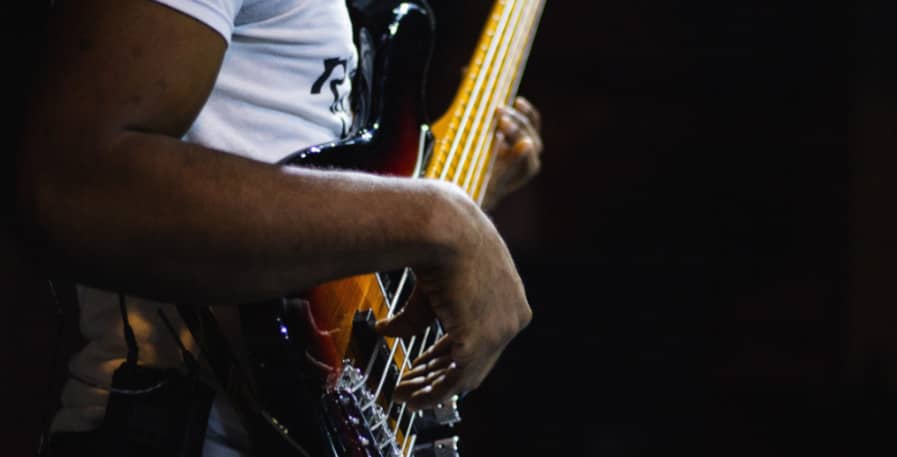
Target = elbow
(49,197)
(35,203)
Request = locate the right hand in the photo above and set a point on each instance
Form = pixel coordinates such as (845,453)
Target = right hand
(477,295)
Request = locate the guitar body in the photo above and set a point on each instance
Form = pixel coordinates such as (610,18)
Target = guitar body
(307,354)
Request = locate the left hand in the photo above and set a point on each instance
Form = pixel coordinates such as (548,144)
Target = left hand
(518,147)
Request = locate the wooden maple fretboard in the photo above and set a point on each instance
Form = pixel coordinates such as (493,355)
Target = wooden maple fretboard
(463,152)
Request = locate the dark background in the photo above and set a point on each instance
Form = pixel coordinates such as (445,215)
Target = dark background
(709,249)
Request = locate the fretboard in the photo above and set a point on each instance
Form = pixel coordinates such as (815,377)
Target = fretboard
(463,153)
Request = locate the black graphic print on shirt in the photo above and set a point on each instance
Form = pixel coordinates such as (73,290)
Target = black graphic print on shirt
(336,73)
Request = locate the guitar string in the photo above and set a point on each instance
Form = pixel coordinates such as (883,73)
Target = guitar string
(486,106)
(376,351)
(476,90)
(395,343)
(539,8)
(484,149)
(391,360)
(413,438)
(405,363)
(386,411)
(423,346)
(536,13)
(398,342)
(492,99)
(404,406)
(438,334)
(398,420)
(411,446)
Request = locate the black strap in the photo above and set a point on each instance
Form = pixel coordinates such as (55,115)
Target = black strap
(133,352)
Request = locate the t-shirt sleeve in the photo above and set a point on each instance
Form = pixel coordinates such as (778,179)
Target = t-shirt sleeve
(217,14)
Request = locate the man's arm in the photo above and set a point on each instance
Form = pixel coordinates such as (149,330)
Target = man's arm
(122,204)
(126,205)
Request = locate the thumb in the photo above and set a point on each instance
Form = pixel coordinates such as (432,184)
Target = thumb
(415,316)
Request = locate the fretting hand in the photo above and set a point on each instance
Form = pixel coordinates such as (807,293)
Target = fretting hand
(518,147)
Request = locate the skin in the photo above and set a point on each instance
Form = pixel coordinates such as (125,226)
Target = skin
(111,198)
(518,150)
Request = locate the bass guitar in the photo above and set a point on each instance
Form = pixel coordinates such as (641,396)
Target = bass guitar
(320,379)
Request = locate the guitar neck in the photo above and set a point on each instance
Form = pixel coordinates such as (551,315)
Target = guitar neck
(463,152)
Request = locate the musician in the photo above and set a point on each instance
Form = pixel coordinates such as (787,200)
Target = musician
(147,169)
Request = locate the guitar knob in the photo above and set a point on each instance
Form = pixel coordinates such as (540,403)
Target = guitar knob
(444,414)
(442,448)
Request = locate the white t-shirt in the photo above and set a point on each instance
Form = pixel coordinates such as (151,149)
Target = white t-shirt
(284,85)
(286,76)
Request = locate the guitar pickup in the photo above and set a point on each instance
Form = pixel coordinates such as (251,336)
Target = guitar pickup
(444,414)
(447,447)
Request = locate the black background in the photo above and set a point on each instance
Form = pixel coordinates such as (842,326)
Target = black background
(708,249)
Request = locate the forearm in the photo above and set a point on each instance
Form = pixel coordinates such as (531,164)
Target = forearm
(169,220)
